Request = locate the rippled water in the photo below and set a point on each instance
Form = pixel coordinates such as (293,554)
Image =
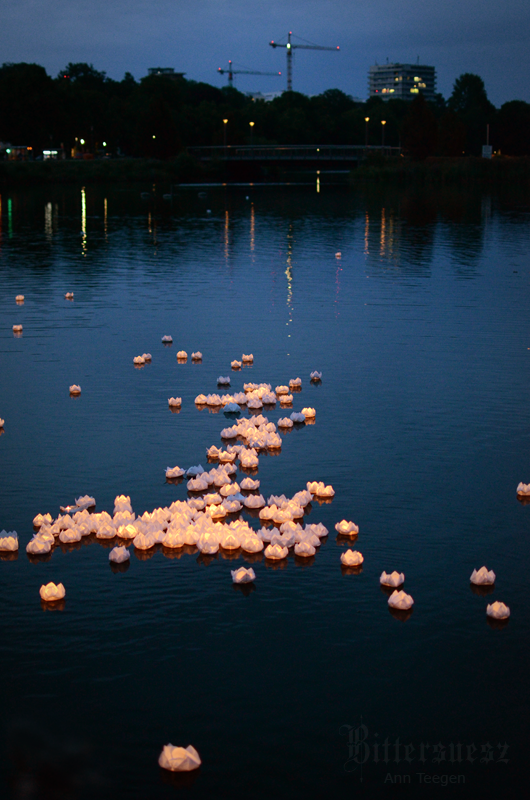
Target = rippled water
(420,327)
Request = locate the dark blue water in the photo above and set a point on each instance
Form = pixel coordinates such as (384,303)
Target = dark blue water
(420,327)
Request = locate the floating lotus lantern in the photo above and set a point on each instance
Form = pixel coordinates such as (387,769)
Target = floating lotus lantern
(2,422)
(346,528)
(351,558)
(243,575)
(235,365)
(252,544)
(482,577)
(8,541)
(309,413)
(247,359)
(50,592)
(144,541)
(400,601)
(304,549)
(129,531)
(295,383)
(196,356)
(138,361)
(70,536)
(179,759)
(147,357)
(298,417)
(276,552)
(75,389)
(175,402)
(316,376)
(223,380)
(285,422)
(118,555)
(523,489)
(69,296)
(392,579)
(38,546)
(200,400)
(286,399)
(498,610)
(19,298)
(174,472)
(182,355)
(17,328)
(167,339)
(248,484)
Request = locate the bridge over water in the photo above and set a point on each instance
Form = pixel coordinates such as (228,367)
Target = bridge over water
(295,155)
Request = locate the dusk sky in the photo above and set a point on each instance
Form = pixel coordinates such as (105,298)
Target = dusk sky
(487,38)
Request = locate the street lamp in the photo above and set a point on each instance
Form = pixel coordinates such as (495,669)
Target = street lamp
(251,131)
(367,120)
(225,123)
(383,123)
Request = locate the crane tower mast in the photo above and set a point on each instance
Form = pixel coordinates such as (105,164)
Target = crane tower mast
(289,46)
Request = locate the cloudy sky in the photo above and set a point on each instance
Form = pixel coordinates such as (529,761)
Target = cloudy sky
(485,37)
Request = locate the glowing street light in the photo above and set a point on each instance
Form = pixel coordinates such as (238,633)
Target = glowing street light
(383,123)
(251,131)
(366,120)
(225,123)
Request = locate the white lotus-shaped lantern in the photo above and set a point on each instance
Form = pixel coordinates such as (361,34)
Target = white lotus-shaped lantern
(70,536)
(305,549)
(147,357)
(69,296)
(285,422)
(119,554)
(392,579)
(138,360)
(200,400)
(309,413)
(248,459)
(294,383)
(248,484)
(174,472)
(197,356)
(286,399)
(9,541)
(276,552)
(498,610)
(247,359)
(2,422)
(351,558)
(231,408)
(254,501)
(179,759)
(195,470)
(182,355)
(482,577)
(175,402)
(42,519)
(223,380)
(38,546)
(243,575)
(75,389)
(281,390)
(19,298)
(346,528)
(50,592)
(252,544)
(17,328)
(316,376)
(129,531)
(144,541)
(167,339)
(235,364)
(523,489)
(401,601)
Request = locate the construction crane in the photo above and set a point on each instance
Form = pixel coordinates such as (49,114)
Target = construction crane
(231,72)
(290,47)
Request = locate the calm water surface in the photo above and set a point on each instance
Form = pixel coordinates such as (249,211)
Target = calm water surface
(421,329)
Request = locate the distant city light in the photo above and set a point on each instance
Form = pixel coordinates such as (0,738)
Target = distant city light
(104,144)
(81,141)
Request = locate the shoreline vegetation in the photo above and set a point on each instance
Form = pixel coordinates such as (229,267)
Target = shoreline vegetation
(438,171)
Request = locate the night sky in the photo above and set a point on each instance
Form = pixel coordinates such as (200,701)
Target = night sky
(486,38)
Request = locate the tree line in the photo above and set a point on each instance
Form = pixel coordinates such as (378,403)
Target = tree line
(160,116)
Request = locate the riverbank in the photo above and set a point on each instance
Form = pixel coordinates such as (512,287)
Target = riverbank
(479,172)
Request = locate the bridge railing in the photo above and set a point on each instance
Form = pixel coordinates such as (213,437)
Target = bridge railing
(290,152)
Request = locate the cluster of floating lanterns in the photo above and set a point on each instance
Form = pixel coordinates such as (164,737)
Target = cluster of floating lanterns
(213,496)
